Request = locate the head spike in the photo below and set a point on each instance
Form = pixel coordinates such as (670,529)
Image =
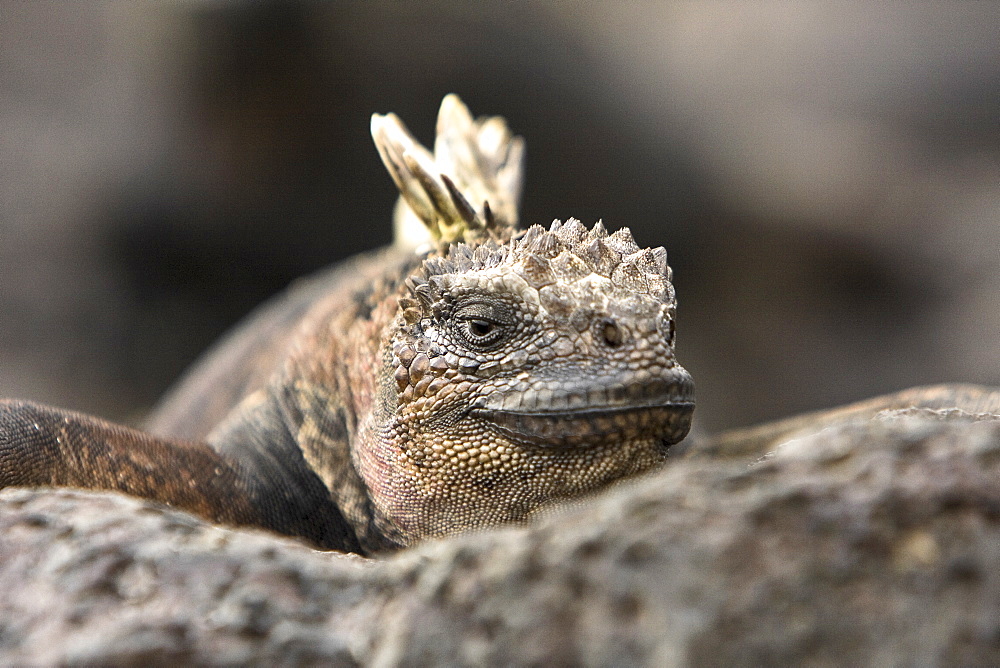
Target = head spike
(530,236)
(570,266)
(461,204)
(548,246)
(435,191)
(572,231)
(537,271)
(491,221)
(630,277)
(601,257)
(473,161)
(660,256)
(623,242)
(644,260)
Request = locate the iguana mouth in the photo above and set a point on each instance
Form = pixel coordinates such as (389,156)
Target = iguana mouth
(665,417)
(668,423)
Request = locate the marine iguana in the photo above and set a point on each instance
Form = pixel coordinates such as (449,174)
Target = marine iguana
(407,393)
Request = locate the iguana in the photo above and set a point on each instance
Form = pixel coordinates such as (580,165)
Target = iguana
(416,392)
(408,393)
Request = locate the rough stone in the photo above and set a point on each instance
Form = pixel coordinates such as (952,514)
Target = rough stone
(874,542)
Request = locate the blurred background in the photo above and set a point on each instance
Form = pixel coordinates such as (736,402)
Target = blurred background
(825,177)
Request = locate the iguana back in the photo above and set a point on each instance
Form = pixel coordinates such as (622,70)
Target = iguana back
(247,357)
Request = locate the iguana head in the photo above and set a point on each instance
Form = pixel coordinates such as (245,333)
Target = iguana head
(521,372)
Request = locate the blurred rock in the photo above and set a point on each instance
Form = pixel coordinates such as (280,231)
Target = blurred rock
(872,542)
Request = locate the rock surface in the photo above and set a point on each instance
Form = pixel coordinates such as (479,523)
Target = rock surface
(874,542)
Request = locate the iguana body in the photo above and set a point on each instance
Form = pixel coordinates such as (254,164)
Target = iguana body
(409,394)
(406,394)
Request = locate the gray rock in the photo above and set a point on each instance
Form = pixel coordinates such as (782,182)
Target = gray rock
(869,542)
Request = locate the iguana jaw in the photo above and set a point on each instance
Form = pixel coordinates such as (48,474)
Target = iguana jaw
(655,410)
(670,423)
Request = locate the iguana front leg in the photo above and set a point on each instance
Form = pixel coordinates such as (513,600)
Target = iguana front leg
(45,446)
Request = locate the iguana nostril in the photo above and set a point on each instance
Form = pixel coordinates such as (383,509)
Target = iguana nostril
(611,333)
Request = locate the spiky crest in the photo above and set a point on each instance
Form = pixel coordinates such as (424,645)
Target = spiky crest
(468,189)
(566,251)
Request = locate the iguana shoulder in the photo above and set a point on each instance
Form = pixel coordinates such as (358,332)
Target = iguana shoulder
(246,359)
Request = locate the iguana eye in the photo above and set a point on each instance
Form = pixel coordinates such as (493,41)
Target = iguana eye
(481,328)
(480,333)
(483,325)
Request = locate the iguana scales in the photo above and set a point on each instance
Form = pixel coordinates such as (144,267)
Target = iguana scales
(410,393)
